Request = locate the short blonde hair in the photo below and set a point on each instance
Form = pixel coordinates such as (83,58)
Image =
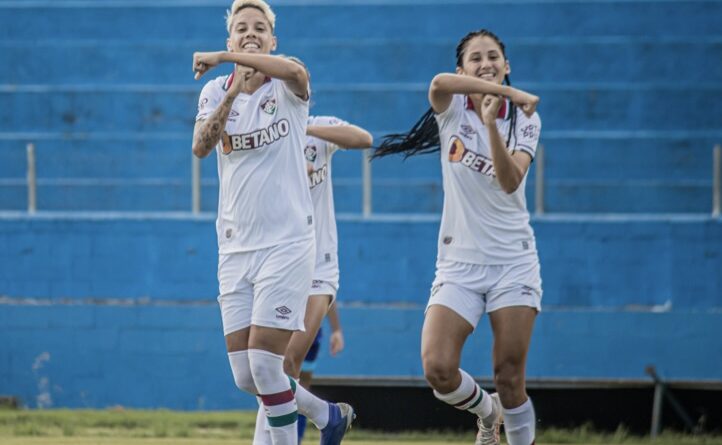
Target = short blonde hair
(258,4)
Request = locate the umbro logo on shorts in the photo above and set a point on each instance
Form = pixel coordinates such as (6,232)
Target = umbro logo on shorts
(283,312)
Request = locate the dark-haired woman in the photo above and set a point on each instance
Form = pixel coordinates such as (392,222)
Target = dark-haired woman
(487,262)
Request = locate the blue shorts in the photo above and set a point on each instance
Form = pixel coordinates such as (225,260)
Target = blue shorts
(309,363)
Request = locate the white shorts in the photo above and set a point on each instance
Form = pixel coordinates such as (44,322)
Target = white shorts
(471,290)
(321,287)
(266,287)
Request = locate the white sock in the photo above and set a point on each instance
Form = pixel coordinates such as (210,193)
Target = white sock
(311,406)
(520,424)
(241,369)
(468,397)
(261,435)
(274,390)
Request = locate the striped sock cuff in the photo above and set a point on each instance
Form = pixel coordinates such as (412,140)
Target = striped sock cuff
(282,420)
(476,402)
(473,397)
(270,400)
(281,409)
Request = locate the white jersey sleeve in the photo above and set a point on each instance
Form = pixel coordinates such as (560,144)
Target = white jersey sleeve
(328,121)
(527,133)
(449,119)
(210,98)
(291,96)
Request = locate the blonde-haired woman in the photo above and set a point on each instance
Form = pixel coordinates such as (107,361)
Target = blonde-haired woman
(256,118)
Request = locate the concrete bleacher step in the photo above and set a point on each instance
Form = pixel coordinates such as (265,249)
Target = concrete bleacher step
(595,172)
(565,106)
(388,196)
(606,59)
(183,20)
(568,155)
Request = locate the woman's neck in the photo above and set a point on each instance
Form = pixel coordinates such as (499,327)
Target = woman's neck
(254,83)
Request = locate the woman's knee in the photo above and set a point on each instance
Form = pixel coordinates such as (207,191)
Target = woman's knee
(292,364)
(440,375)
(266,368)
(241,369)
(509,377)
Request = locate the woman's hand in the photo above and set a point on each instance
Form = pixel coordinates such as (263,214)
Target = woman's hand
(337,343)
(490,105)
(204,61)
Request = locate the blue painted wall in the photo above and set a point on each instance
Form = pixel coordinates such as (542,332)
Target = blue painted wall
(105,309)
(174,357)
(101,310)
(597,262)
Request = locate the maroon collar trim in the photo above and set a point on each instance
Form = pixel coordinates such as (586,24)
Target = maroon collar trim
(229,80)
(503,110)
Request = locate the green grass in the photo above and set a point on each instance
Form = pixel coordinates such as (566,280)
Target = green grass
(118,426)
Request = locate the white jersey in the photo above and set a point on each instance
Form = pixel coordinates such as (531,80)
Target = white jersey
(482,224)
(263,199)
(318,154)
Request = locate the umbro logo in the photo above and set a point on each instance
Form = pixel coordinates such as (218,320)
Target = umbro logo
(283,310)
(467,131)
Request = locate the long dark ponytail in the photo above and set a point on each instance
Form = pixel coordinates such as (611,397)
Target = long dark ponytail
(423,138)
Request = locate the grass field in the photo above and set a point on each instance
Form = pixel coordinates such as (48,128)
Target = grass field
(138,427)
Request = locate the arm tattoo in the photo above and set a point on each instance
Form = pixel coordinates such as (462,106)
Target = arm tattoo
(209,133)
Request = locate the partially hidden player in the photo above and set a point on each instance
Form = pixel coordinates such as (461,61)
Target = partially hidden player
(325,136)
